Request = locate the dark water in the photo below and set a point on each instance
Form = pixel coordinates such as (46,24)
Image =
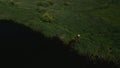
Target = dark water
(26,48)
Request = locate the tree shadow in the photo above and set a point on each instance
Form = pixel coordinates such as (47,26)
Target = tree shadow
(42,51)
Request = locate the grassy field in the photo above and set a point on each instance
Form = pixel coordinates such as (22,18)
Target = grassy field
(97,22)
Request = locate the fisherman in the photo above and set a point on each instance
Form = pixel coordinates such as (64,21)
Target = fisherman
(74,41)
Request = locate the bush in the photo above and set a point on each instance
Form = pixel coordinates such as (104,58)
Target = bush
(47,17)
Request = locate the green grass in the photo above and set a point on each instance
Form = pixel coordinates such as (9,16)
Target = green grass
(97,21)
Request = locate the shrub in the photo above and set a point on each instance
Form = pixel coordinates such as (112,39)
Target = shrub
(12,2)
(47,17)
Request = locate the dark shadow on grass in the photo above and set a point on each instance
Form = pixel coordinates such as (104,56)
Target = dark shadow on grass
(42,51)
